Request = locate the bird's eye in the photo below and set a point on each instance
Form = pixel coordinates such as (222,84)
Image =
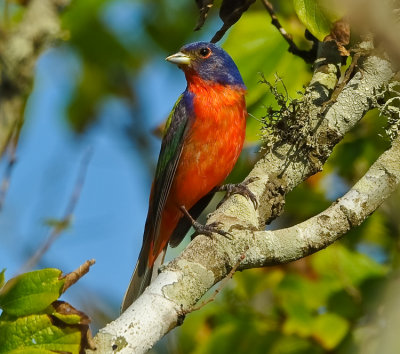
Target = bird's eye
(205,52)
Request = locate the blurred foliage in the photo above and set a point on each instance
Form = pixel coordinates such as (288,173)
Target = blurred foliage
(316,305)
(108,63)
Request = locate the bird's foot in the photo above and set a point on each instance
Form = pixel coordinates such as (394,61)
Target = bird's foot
(207,230)
(240,188)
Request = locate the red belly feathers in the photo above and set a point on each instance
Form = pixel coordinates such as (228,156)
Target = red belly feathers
(210,150)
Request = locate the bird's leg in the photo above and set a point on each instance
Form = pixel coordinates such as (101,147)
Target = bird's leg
(200,229)
(240,188)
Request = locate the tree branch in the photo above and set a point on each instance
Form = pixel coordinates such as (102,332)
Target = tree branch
(318,232)
(18,55)
(307,55)
(207,260)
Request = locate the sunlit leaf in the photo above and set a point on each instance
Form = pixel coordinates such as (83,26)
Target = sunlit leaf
(38,334)
(317,15)
(31,292)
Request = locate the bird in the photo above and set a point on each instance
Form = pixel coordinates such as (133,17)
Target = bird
(202,140)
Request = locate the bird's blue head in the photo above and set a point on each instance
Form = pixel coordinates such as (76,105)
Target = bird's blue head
(209,62)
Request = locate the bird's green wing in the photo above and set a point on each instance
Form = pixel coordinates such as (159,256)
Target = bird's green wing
(175,131)
(171,148)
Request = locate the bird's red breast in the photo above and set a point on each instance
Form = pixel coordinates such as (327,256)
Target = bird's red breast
(211,149)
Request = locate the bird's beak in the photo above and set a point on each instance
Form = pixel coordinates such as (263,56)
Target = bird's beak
(179,59)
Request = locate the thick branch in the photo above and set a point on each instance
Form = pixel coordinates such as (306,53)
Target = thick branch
(207,260)
(18,56)
(318,232)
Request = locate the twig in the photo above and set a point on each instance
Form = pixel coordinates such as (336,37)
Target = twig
(65,221)
(307,55)
(7,174)
(220,33)
(74,276)
(12,158)
(339,88)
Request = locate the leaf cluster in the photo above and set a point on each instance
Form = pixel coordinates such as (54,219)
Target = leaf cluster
(34,321)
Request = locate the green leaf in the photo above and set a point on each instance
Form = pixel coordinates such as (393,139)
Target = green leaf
(31,292)
(30,351)
(38,334)
(316,16)
(330,329)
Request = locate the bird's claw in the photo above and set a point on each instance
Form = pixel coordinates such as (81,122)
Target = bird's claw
(240,188)
(209,230)
(200,229)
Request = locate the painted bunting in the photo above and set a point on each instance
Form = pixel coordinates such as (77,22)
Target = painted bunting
(202,140)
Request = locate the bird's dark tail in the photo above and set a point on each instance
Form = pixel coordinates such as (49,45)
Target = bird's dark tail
(140,279)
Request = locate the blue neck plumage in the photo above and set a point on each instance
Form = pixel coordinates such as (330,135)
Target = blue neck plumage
(227,74)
